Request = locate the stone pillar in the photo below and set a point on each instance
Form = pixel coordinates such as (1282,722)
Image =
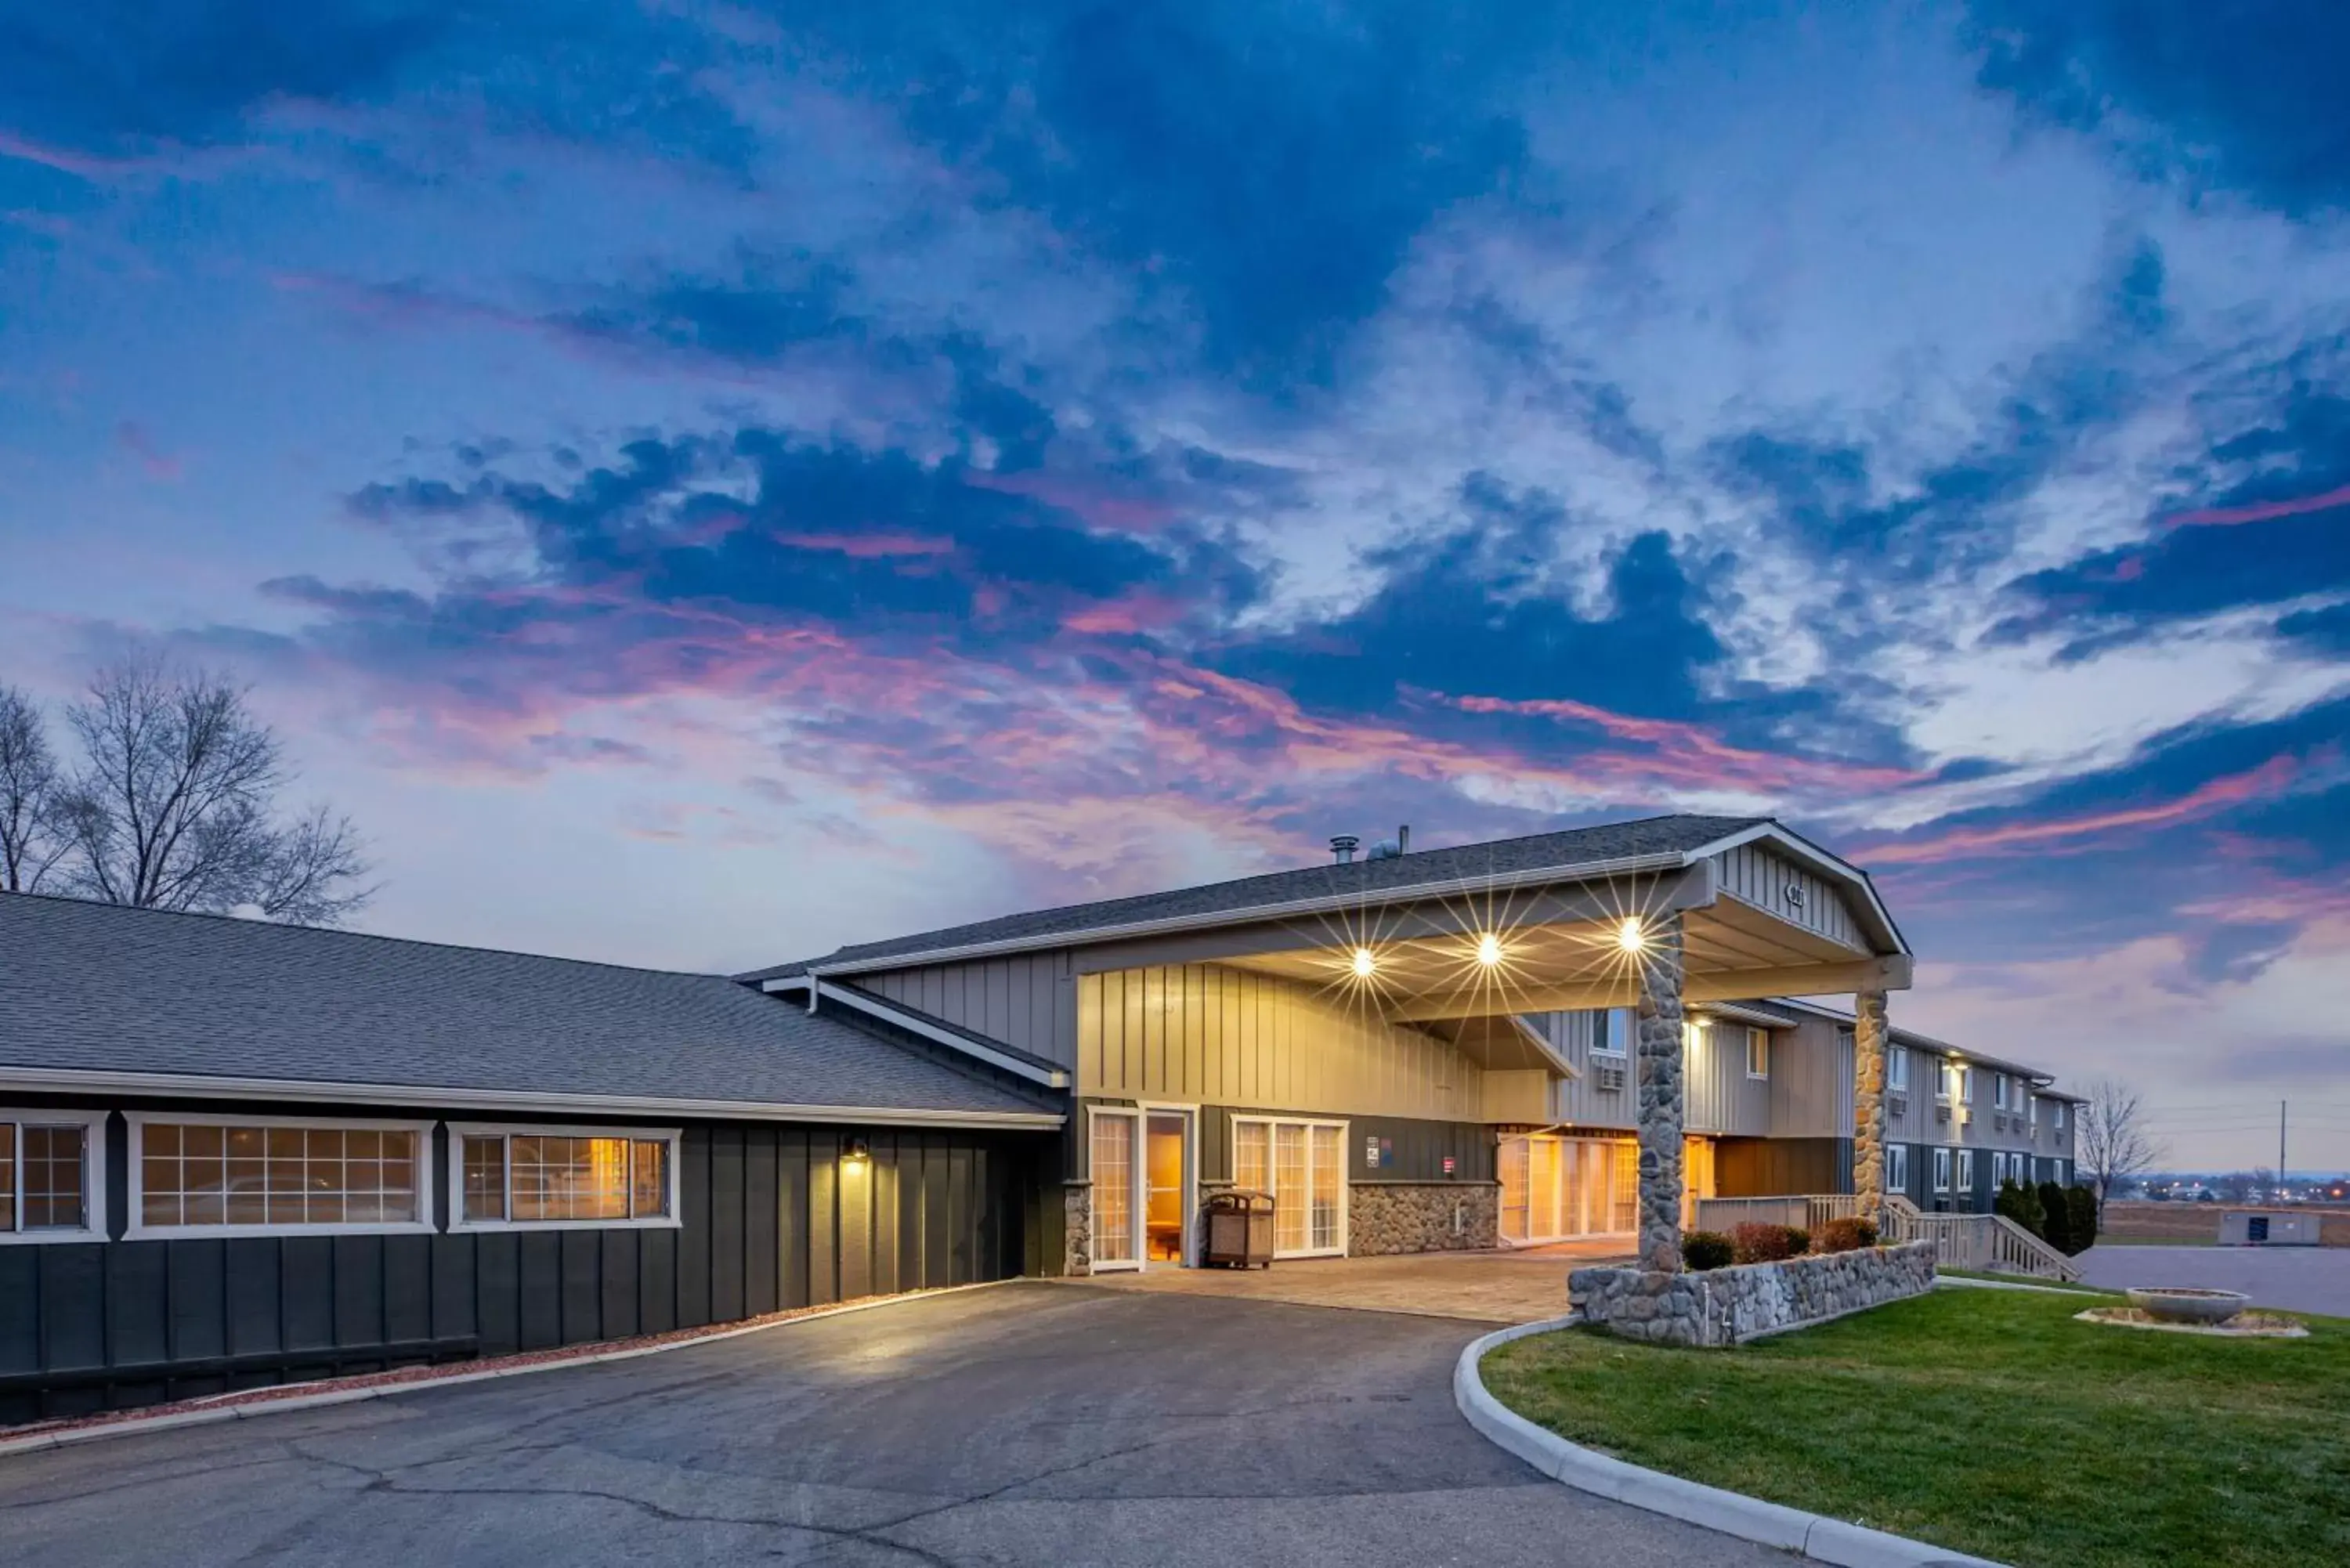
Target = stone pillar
(1660,1069)
(1869,1039)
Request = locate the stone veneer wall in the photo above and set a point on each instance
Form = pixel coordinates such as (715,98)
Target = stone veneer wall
(1726,1306)
(1077,1229)
(1385,1216)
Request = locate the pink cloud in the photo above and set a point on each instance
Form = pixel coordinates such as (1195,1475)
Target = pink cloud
(869,546)
(1094,503)
(160,465)
(1691,754)
(2270,778)
(2257,511)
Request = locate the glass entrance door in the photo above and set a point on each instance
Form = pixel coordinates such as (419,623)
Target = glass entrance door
(1166,1164)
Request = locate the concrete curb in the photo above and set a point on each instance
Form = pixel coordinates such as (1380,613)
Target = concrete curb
(1961,1281)
(199,1415)
(1789,1530)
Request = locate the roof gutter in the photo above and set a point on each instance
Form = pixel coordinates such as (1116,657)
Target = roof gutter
(866,1002)
(209,1085)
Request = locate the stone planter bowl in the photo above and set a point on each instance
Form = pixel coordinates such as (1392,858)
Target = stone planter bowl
(2179,1304)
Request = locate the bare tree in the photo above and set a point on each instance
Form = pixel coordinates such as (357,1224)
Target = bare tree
(30,841)
(174,805)
(2112,1140)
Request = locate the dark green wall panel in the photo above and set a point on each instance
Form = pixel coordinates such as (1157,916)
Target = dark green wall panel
(771,1217)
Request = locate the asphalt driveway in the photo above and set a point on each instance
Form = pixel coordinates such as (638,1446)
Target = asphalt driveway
(1032,1424)
(2296,1279)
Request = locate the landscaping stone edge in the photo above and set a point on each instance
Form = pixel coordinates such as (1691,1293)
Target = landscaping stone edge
(1808,1535)
(166,1419)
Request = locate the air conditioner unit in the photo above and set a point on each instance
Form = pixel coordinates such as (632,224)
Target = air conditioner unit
(1897,1104)
(1942,1113)
(1611,1074)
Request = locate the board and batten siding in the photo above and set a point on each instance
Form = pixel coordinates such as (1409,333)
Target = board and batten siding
(1753,875)
(1810,1080)
(1717,1094)
(1581,1102)
(1210,1035)
(1027,1002)
(773,1217)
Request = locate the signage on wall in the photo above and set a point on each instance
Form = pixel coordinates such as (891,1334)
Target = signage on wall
(1371,1151)
(1448,1165)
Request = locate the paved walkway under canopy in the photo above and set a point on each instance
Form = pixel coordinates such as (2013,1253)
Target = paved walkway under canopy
(1523,1286)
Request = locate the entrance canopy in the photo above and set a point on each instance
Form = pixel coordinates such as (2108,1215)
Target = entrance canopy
(1764,914)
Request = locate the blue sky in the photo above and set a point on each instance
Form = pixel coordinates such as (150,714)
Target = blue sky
(701,483)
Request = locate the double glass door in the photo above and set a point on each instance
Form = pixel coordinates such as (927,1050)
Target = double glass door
(1141,1163)
(1553,1188)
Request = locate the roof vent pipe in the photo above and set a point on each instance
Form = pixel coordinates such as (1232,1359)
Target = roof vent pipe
(1403,839)
(1342,847)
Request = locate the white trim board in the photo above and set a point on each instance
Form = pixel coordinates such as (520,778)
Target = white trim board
(953,1040)
(218,1086)
(93,1176)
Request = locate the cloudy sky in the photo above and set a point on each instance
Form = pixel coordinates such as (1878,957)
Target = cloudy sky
(701,483)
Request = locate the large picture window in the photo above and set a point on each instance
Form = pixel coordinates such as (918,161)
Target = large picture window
(265,1175)
(51,1176)
(562,1178)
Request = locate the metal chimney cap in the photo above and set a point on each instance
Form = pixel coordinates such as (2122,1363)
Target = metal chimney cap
(1343,846)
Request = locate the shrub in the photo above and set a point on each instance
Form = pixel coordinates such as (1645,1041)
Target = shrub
(1799,1240)
(2020,1203)
(1703,1250)
(2081,1213)
(2058,1229)
(1847,1235)
(1755,1243)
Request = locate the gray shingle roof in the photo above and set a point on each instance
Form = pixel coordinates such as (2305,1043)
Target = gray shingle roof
(1544,851)
(94,987)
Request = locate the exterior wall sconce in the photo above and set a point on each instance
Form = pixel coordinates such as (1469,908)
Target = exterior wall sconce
(1630,937)
(859,1151)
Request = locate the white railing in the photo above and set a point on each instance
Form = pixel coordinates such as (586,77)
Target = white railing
(1721,1213)
(1990,1242)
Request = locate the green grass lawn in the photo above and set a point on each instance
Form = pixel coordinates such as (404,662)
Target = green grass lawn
(1988,1421)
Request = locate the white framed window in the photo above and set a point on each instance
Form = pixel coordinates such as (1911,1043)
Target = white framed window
(1946,1080)
(1998,1170)
(52,1176)
(1302,1163)
(511,1178)
(1941,1170)
(1966,1086)
(2032,1109)
(195,1175)
(1758,1053)
(1611,1031)
(1896,1069)
(2056,1115)
(1896,1168)
(1998,1091)
(1966,1170)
